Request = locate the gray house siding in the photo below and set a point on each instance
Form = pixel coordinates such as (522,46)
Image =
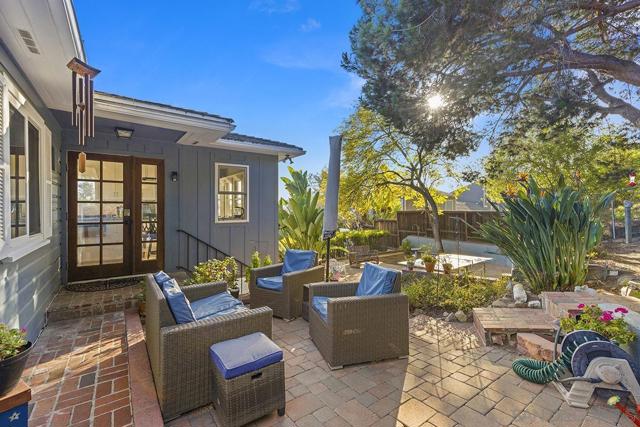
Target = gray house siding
(189,203)
(28,285)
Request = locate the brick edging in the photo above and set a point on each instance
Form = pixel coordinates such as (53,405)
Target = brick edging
(144,402)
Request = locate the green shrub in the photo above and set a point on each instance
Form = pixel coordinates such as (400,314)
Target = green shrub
(451,293)
(215,270)
(359,237)
(256,262)
(12,341)
(548,234)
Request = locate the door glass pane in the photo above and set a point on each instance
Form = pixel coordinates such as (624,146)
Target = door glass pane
(112,233)
(112,171)
(149,212)
(149,192)
(88,255)
(149,231)
(112,192)
(112,212)
(112,254)
(34,180)
(149,173)
(149,251)
(88,191)
(88,234)
(91,170)
(88,212)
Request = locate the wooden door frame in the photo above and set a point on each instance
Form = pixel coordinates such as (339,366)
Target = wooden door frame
(99,271)
(132,235)
(140,266)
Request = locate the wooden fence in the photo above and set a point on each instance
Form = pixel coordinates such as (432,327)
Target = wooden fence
(391,227)
(454,225)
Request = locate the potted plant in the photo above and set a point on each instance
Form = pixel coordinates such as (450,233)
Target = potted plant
(216,270)
(411,261)
(14,352)
(429,262)
(609,323)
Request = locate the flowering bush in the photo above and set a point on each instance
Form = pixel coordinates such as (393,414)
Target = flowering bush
(215,270)
(609,323)
(12,341)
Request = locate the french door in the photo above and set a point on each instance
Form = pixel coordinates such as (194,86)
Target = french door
(115,216)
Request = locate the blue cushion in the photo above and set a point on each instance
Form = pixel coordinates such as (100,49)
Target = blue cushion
(178,302)
(214,304)
(319,304)
(376,280)
(245,354)
(297,260)
(231,310)
(271,283)
(161,277)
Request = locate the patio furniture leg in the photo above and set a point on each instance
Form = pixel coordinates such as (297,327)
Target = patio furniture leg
(335,368)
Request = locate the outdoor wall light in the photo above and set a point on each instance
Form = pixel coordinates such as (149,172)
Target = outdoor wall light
(174,176)
(287,158)
(124,133)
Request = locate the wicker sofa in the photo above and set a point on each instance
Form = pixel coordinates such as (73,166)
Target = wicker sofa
(179,354)
(359,329)
(286,303)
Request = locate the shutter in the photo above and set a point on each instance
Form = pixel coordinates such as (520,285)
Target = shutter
(4,158)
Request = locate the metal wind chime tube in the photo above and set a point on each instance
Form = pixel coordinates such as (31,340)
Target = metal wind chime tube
(82,111)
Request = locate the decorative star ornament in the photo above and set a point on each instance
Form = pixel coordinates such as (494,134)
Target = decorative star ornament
(14,417)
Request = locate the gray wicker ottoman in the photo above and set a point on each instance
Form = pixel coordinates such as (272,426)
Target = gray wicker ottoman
(248,379)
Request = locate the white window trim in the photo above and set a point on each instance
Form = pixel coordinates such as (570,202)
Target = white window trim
(215,194)
(12,249)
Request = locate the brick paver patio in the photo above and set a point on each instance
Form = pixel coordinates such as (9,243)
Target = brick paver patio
(79,372)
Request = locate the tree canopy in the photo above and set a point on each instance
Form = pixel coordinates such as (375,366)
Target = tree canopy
(573,56)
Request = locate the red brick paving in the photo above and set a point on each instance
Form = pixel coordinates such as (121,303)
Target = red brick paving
(79,374)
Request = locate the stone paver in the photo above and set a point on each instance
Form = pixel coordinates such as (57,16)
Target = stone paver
(79,375)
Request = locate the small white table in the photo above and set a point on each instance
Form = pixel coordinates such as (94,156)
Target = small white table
(457,261)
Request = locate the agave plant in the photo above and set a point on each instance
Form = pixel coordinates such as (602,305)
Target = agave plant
(548,234)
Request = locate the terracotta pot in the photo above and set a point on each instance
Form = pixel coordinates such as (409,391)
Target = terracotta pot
(11,369)
(430,266)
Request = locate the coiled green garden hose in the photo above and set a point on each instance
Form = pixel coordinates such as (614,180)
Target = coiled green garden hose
(541,372)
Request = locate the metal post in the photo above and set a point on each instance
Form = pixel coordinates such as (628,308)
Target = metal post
(613,220)
(627,221)
(326,267)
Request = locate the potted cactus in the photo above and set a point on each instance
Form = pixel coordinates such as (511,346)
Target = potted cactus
(14,352)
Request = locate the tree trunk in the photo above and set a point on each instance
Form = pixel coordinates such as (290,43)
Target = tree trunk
(432,206)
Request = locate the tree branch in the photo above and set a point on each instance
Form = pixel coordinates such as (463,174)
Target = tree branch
(615,105)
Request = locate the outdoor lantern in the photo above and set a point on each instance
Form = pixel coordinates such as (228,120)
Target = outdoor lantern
(82,104)
(632,179)
(174,176)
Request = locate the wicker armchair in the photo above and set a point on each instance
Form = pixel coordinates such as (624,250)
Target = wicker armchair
(287,303)
(359,329)
(179,354)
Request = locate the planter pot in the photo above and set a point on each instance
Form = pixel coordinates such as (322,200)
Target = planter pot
(430,267)
(235,293)
(11,369)
(447,268)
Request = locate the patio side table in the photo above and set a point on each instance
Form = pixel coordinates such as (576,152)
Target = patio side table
(248,379)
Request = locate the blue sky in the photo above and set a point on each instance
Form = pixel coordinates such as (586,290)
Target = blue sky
(271,65)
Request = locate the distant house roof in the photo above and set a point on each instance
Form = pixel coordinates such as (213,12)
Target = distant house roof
(256,140)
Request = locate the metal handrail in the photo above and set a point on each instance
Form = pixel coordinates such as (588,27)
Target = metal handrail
(218,254)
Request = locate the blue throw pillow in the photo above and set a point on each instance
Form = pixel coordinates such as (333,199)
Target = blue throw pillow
(178,302)
(298,260)
(161,277)
(376,280)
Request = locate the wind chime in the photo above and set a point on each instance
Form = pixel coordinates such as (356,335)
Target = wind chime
(82,109)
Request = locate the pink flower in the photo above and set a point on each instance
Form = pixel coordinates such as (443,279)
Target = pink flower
(621,310)
(581,306)
(607,316)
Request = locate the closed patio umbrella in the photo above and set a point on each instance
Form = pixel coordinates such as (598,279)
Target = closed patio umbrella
(330,224)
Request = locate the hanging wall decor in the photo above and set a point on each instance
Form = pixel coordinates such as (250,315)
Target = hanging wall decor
(82,104)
